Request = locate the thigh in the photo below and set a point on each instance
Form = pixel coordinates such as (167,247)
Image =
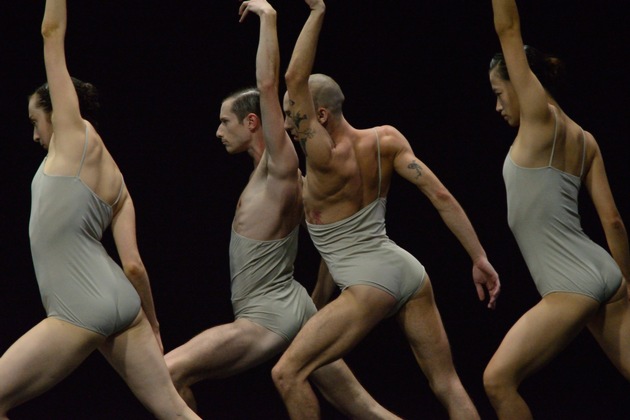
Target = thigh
(541,333)
(223,351)
(611,329)
(420,320)
(337,328)
(42,357)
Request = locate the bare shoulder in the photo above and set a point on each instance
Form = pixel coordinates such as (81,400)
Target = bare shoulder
(391,140)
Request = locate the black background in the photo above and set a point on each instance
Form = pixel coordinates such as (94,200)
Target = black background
(162,70)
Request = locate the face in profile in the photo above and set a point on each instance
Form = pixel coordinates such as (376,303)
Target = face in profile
(40,119)
(234,134)
(507,102)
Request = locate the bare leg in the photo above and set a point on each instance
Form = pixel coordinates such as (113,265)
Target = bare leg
(421,322)
(611,329)
(531,343)
(340,387)
(136,356)
(219,352)
(327,336)
(41,358)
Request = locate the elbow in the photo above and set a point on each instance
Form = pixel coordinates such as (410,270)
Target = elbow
(442,197)
(615,224)
(506,26)
(134,270)
(50,29)
(293,78)
(267,85)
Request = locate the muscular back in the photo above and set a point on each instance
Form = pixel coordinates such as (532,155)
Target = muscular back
(349,181)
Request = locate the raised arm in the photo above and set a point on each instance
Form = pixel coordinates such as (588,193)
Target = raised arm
(315,141)
(124,231)
(281,155)
(66,116)
(413,170)
(530,92)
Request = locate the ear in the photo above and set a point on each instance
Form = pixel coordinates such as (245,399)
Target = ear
(322,115)
(252,121)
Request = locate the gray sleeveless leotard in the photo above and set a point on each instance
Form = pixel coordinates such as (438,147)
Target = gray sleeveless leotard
(78,281)
(543,215)
(358,251)
(263,288)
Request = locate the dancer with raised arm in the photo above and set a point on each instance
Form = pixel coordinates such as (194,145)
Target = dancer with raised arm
(348,175)
(581,284)
(270,306)
(91,303)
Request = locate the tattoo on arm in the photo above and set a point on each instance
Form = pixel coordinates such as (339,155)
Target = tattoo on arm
(303,135)
(414,166)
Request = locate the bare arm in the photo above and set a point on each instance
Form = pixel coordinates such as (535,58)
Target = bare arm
(281,155)
(66,116)
(616,235)
(315,141)
(124,231)
(531,94)
(324,288)
(413,170)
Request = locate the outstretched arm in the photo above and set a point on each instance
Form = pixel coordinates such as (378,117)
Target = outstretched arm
(315,141)
(124,231)
(598,187)
(413,170)
(66,114)
(281,155)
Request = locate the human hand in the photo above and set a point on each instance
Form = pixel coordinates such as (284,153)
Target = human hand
(258,7)
(484,276)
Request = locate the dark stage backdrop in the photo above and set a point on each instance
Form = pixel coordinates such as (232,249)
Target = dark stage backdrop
(163,68)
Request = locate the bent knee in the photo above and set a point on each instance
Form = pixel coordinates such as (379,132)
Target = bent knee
(496,382)
(176,370)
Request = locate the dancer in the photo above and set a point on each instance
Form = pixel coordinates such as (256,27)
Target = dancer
(270,306)
(348,175)
(91,303)
(581,284)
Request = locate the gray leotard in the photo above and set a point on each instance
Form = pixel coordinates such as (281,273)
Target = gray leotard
(78,281)
(263,288)
(358,251)
(543,215)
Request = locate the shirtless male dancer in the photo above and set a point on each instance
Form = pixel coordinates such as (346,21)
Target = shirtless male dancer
(348,174)
(270,306)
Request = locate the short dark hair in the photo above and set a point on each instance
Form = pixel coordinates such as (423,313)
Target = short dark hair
(86,92)
(548,69)
(246,101)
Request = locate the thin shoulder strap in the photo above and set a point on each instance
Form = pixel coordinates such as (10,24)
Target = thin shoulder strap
(378,148)
(122,186)
(555,134)
(84,151)
(583,152)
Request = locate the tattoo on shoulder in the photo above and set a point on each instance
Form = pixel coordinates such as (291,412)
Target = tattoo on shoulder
(414,166)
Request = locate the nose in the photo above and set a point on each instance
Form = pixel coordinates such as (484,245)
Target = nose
(35,135)
(218,133)
(499,107)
